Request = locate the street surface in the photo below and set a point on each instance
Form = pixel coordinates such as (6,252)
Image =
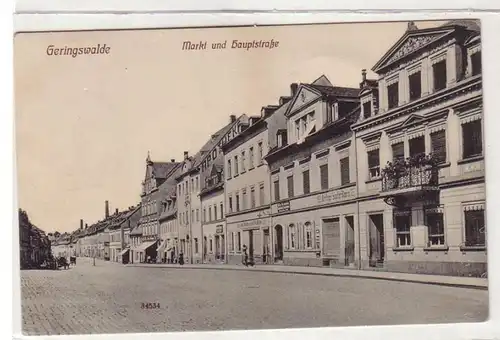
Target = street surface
(108,298)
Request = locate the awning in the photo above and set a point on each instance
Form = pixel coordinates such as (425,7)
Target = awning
(162,246)
(124,251)
(145,245)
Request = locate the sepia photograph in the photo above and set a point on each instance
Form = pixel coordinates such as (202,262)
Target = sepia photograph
(250,177)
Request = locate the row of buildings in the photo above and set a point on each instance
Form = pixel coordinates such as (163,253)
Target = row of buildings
(34,244)
(386,176)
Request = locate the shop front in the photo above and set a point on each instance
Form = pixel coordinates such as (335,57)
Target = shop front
(316,229)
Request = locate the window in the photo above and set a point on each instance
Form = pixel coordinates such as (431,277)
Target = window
(231,242)
(237,202)
(215,212)
(374,163)
(438,146)
(367,109)
(252,197)
(417,146)
(475,229)
(204,245)
(239,241)
(435,223)
(192,215)
(211,245)
(393,95)
(260,153)
(402,223)
(306,182)
(243,161)
(398,151)
(289,181)
(476,63)
(221,210)
(472,139)
(262,199)
(344,171)
(196,246)
(244,199)
(291,234)
(192,184)
(329,114)
(229,168)
(209,213)
(415,81)
(309,240)
(230,204)
(277,190)
(439,74)
(236,172)
(250,158)
(323,174)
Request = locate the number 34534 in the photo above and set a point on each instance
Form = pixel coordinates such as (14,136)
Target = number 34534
(150,305)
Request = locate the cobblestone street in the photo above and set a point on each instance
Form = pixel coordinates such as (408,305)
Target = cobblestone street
(107,298)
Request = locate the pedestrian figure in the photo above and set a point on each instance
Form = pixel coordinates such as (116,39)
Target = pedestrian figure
(181,258)
(172,256)
(245,255)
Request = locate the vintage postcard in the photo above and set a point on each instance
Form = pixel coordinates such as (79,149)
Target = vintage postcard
(241,178)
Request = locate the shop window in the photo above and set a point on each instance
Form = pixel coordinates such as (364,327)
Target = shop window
(475,228)
(402,223)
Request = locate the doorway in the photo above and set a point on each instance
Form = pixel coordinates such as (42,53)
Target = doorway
(349,240)
(217,247)
(376,234)
(250,245)
(278,247)
(265,247)
(222,248)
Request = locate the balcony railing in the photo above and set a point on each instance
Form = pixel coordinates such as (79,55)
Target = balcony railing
(418,173)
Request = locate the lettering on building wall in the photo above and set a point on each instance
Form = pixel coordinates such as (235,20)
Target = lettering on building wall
(283,206)
(253,223)
(336,196)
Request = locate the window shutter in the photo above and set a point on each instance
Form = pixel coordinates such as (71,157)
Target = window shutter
(324,176)
(438,145)
(344,171)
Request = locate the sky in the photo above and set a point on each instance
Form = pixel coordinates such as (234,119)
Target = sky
(85,125)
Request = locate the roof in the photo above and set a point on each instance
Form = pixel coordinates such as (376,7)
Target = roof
(472,25)
(163,169)
(336,91)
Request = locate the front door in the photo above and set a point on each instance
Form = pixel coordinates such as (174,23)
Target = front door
(349,240)
(250,245)
(376,232)
(278,247)
(331,238)
(217,247)
(265,246)
(222,248)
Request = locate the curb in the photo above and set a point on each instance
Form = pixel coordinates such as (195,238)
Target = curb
(291,271)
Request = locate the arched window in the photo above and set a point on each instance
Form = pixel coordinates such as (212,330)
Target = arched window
(309,235)
(292,236)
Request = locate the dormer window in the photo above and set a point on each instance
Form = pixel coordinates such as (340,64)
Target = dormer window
(305,126)
(367,109)
(476,63)
(281,138)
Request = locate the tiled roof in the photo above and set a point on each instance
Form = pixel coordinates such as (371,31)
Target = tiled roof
(336,91)
(472,25)
(163,169)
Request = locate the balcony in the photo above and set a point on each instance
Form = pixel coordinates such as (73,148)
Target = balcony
(417,175)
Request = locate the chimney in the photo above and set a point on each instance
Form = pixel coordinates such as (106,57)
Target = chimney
(293,88)
(172,160)
(116,211)
(284,100)
(81,224)
(363,74)
(106,209)
(186,155)
(86,225)
(232,118)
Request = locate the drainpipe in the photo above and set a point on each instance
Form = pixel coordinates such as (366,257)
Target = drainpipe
(357,199)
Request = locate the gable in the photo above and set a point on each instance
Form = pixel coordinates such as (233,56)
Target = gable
(409,43)
(322,81)
(302,98)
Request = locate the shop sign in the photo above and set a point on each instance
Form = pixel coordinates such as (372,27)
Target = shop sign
(253,223)
(219,229)
(337,195)
(283,206)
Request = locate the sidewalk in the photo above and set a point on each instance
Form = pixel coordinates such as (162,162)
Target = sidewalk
(453,281)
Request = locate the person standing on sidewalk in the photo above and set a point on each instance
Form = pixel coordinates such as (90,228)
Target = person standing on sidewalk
(181,258)
(245,255)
